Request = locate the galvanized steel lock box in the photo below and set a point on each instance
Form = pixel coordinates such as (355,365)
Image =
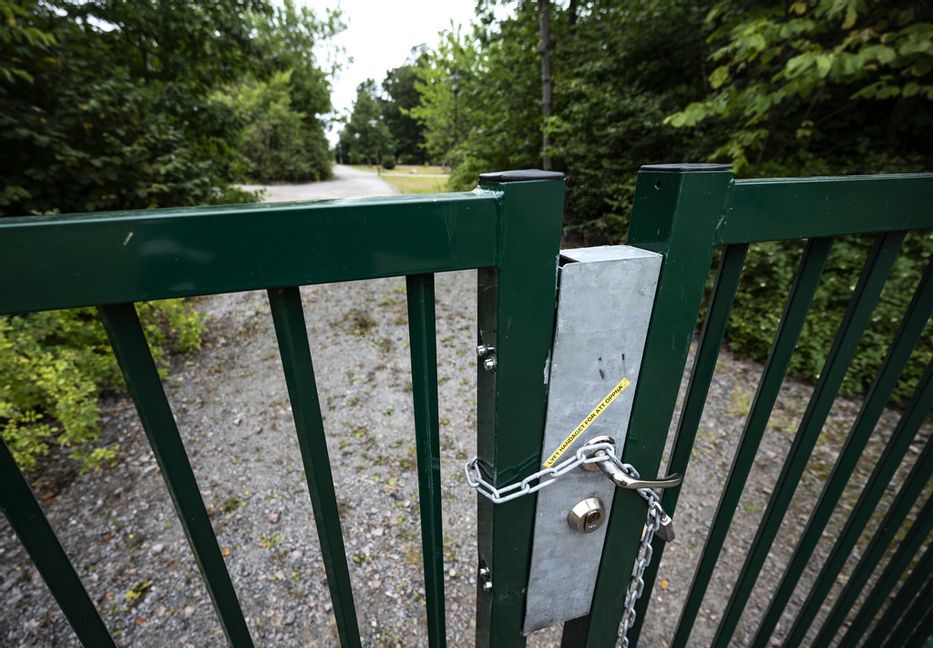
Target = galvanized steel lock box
(605,298)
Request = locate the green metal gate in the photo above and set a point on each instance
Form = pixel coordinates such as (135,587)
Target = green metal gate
(509,229)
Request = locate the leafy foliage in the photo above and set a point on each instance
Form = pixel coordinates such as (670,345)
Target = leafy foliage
(52,366)
(366,137)
(401,96)
(276,141)
(285,100)
(116,105)
(825,85)
(780,89)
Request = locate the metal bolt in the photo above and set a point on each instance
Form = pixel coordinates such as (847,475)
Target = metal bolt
(484,350)
(486,577)
(586,516)
(489,364)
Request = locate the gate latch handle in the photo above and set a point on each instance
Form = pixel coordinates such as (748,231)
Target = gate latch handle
(619,477)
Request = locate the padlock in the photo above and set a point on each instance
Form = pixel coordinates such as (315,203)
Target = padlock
(666,530)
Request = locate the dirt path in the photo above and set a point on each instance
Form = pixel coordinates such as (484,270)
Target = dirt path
(233,412)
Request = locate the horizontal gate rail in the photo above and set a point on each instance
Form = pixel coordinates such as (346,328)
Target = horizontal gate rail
(797,208)
(49,262)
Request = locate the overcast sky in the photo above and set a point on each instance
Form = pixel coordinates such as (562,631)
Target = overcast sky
(380,35)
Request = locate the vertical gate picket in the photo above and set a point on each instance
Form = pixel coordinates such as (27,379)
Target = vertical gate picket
(704,364)
(676,212)
(423,337)
(292,336)
(875,272)
(900,606)
(34,531)
(142,379)
(917,409)
(909,332)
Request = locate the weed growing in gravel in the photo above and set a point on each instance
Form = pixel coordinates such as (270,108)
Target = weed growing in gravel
(267,541)
(359,321)
(231,504)
(136,593)
(740,402)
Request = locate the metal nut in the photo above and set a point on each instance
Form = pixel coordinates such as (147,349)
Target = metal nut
(489,364)
(587,515)
(484,350)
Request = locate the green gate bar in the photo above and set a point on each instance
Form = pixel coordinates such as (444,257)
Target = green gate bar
(142,379)
(798,304)
(51,262)
(909,332)
(292,336)
(516,316)
(704,365)
(875,272)
(34,531)
(423,338)
(899,606)
(917,409)
(508,229)
(676,212)
(916,625)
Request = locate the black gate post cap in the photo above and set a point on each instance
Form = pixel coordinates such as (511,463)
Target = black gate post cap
(520,175)
(687,167)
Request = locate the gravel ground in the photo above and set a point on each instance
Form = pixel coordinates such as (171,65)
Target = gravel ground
(346,183)
(232,408)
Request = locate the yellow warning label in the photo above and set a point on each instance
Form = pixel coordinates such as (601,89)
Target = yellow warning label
(587,421)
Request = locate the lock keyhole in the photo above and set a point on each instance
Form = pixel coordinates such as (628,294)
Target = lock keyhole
(587,515)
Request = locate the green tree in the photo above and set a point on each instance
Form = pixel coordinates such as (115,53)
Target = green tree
(824,86)
(278,142)
(401,96)
(116,105)
(284,137)
(366,138)
(480,97)
(795,88)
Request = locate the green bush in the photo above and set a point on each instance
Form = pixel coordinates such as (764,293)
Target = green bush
(388,162)
(277,142)
(54,364)
(760,300)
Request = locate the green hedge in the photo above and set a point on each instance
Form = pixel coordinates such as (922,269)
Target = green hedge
(767,277)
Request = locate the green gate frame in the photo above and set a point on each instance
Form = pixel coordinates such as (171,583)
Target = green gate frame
(509,229)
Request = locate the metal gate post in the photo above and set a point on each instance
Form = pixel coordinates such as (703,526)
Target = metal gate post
(516,318)
(677,208)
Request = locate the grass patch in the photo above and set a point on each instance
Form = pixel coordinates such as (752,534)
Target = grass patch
(409,178)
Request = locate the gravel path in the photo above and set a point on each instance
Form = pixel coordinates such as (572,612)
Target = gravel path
(232,409)
(346,183)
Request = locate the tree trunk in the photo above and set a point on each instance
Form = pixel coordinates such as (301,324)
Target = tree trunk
(544,21)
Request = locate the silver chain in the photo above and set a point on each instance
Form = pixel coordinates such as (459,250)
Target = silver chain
(547,476)
(536,481)
(637,584)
